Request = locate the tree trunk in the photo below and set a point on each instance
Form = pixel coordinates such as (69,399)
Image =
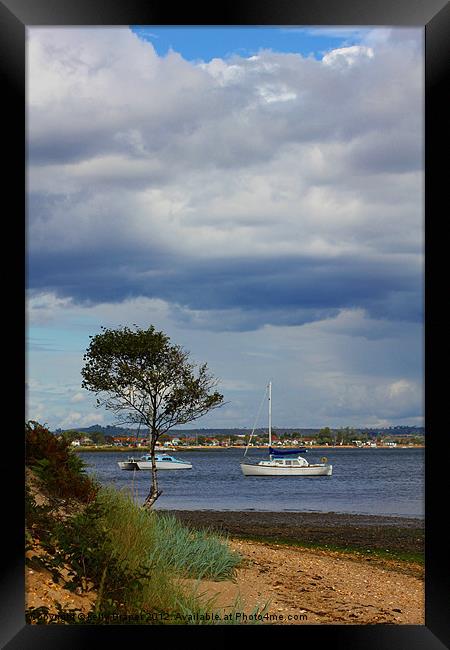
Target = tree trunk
(151,498)
(154,491)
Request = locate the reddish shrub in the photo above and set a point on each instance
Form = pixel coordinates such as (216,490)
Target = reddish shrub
(56,464)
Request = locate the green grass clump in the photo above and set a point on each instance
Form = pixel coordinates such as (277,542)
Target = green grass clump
(137,561)
(200,554)
(163,541)
(125,553)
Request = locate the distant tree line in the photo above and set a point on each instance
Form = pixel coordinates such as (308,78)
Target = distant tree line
(340,433)
(325,436)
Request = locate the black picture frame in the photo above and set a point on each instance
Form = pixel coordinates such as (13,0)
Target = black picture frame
(433,16)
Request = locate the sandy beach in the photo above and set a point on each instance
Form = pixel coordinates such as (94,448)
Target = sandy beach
(291,574)
(296,569)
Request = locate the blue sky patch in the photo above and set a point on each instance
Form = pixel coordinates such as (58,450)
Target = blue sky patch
(206,43)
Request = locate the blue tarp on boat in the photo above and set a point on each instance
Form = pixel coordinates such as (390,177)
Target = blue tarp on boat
(286,452)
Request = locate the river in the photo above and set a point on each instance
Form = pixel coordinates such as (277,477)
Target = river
(364,481)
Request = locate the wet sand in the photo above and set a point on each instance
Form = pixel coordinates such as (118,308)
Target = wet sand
(336,530)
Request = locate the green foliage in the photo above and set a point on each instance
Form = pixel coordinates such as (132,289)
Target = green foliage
(98,437)
(37,517)
(133,558)
(157,550)
(324,436)
(85,546)
(89,547)
(167,543)
(144,378)
(200,554)
(72,435)
(57,466)
(43,616)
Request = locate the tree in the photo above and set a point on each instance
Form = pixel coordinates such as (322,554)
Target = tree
(324,436)
(98,437)
(143,378)
(71,435)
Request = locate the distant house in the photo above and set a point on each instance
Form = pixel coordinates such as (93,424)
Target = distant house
(75,443)
(172,443)
(123,441)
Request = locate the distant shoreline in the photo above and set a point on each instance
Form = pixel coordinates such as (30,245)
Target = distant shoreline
(169,450)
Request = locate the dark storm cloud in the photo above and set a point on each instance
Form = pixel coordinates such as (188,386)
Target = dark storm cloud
(391,152)
(64,144)
(239,295)
(265,212)
(241,193)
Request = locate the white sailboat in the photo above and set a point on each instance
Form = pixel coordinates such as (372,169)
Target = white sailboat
(279,463)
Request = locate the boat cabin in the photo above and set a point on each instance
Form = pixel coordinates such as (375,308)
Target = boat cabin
(286,462)
(159,457)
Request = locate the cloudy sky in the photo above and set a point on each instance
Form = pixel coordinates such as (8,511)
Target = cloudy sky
(255,193)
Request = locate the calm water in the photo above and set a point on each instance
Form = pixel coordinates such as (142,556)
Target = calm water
(364,481)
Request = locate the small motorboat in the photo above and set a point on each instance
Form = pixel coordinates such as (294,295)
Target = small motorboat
(163,461)
(129,464)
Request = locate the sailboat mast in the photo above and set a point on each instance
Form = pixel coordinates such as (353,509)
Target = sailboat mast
(270,414)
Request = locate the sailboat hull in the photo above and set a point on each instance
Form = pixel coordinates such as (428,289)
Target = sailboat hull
(249,469)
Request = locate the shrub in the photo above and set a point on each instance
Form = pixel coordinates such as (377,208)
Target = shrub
(125,552)
(52,459)
(133,558)
(157,550)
